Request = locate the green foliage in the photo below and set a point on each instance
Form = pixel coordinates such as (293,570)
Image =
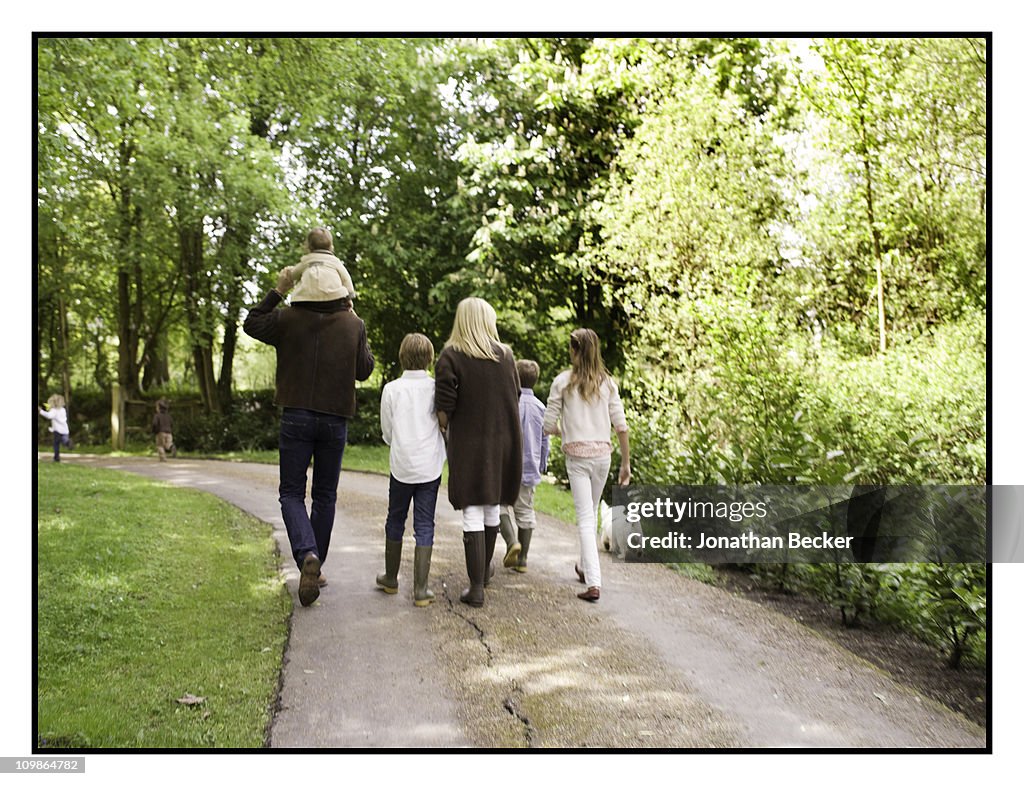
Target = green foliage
(253,424)
(147,593)
(913,415)
(946,604)
(943,604)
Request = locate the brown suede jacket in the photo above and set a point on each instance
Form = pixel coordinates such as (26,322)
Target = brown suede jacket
(321,352)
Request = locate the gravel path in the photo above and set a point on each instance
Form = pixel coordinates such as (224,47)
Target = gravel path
(660,662)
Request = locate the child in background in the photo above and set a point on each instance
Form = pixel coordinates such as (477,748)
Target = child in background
(477,403)
(58,417)
(586,401)
(162,427)
(321,275)
(409,426)
(535,464)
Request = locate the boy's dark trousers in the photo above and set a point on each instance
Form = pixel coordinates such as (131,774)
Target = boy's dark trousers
(424,499)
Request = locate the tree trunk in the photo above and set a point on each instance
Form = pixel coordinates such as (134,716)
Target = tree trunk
(156,369)
(127,329)
(190,236)
(234,308)
(118,427)
(875,240)
(227,359)
(65,350)
(124,318)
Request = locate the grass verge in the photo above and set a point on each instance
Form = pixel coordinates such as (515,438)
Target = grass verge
(146,594)
(550,498)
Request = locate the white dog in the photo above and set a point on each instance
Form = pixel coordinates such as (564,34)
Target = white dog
(613,530)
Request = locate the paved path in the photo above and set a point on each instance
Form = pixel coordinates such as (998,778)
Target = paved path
(660,662)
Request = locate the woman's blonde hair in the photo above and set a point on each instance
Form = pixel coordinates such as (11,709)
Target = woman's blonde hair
(475,331)
(56,400)
(588,369)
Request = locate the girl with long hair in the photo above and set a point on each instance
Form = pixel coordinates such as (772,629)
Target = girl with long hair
(584,406)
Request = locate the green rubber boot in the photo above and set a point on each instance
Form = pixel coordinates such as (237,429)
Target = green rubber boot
(524,541)
(511,547)
(421,596)
(388,580)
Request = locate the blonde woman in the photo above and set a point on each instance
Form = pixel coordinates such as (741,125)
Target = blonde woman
(585,402)
(476,396)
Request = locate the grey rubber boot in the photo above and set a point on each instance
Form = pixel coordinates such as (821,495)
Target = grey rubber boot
(524,542)
(511,547)
(388,580)
(475,567)
(421,596)
(490,538)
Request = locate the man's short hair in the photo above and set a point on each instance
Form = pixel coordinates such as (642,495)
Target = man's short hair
(416,353)
(320,239)
(529,372)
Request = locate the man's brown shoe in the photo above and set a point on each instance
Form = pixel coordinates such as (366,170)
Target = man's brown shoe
(321,580)
(309,584)
(579,575)
(592,594)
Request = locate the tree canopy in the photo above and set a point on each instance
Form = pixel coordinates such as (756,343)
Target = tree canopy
(781,242)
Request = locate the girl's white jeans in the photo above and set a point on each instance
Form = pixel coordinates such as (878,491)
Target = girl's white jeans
(587,477)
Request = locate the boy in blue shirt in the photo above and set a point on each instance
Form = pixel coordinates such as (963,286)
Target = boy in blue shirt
(535,463)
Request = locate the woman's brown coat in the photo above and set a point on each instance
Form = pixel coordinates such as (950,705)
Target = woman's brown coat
(485,444)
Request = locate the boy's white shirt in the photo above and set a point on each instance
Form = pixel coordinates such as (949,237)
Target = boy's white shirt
(408,423)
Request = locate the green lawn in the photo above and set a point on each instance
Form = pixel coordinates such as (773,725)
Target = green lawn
(550,498)
(147,593)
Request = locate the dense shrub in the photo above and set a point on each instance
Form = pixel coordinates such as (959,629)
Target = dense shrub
(916,414)
(250,424)
(772,411)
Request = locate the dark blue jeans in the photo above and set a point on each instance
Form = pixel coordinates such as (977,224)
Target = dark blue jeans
(58,440)
(424,499)
(318,437)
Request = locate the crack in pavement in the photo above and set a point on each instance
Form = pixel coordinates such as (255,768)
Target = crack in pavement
(513,701)
(472,623)
(513,707)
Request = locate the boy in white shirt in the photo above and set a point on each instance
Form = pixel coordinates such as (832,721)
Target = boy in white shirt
(409,425)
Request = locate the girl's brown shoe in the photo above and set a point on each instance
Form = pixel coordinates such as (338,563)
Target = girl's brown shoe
(592,594)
